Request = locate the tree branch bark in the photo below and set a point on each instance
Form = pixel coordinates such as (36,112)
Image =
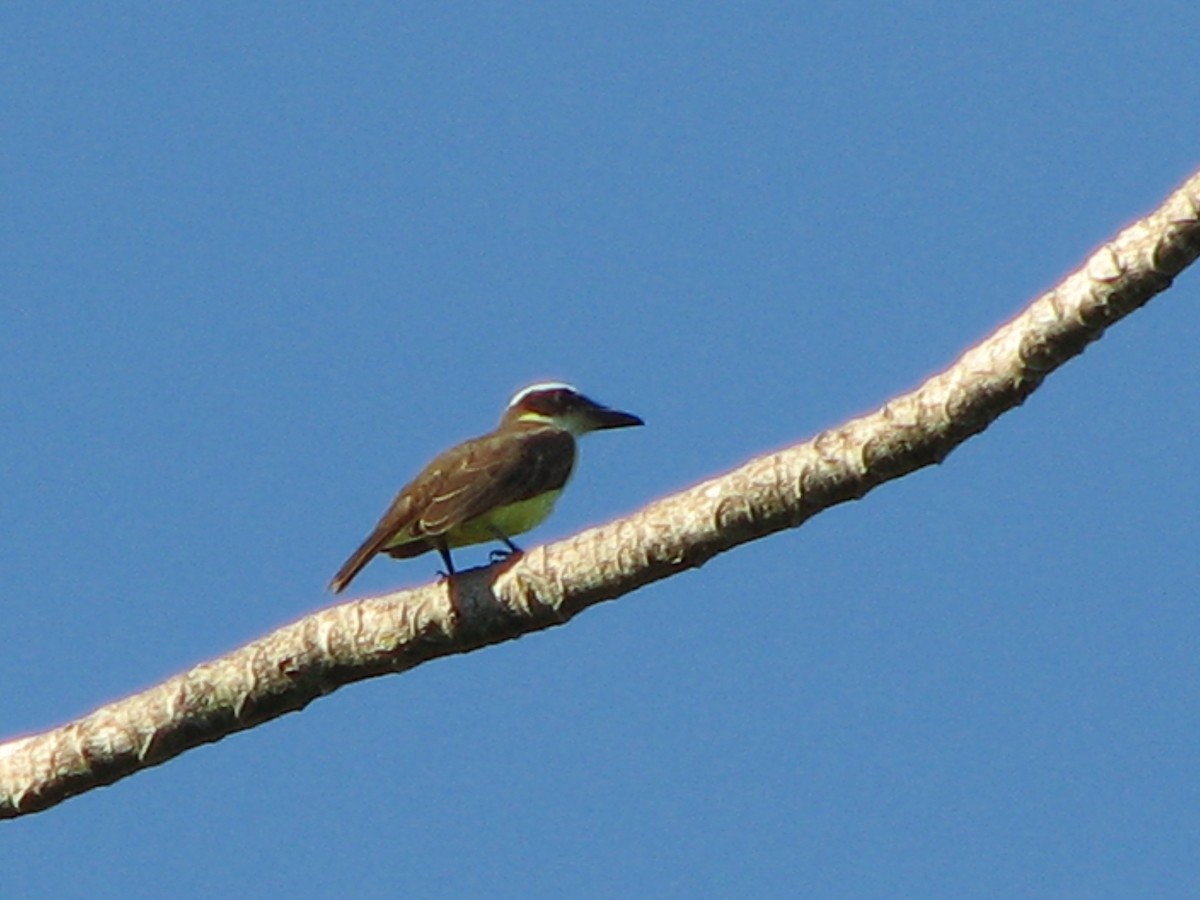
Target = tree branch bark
(289,668)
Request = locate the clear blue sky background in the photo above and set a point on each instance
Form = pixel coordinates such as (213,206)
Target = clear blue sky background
(261,262)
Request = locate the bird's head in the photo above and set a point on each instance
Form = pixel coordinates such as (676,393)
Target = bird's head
(560,405)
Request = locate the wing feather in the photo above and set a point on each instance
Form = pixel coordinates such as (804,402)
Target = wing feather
(463,484)
(491,474)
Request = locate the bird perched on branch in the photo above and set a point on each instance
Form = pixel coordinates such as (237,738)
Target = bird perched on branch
(492,487)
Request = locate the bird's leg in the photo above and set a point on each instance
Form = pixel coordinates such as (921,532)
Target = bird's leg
(499,555)
(444,549)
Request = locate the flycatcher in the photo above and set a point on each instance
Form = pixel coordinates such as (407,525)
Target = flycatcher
(490,487)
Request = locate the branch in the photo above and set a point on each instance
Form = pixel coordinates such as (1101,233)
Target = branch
(289,668)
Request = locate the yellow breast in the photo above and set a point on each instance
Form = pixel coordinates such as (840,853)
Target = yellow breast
(516,518)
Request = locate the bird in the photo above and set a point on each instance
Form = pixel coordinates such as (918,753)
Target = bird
(491,487)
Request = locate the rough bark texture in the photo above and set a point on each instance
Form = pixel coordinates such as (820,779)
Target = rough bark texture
(294,665)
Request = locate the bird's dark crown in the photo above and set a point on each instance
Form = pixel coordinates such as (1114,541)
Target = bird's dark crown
(562,406)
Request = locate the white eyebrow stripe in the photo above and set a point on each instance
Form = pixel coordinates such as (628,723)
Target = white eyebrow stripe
(541,386)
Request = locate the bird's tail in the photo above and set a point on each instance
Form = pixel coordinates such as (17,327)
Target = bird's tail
(355,563)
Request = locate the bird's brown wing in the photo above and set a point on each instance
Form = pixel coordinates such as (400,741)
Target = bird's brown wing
(490,472)
(462,484)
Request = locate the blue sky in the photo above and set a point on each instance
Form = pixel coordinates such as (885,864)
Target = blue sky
(261,262)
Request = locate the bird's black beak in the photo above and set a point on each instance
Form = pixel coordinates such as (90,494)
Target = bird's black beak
(603,417)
